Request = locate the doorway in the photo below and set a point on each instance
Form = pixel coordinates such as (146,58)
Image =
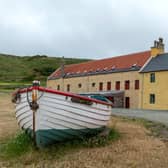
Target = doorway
(127,102)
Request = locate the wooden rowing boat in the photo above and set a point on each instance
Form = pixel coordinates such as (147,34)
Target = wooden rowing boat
(50,116)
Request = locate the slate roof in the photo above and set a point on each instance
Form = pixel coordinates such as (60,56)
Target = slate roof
(158,63)
(130,62)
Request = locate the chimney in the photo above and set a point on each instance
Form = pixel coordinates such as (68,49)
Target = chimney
(62,67)
(158,47)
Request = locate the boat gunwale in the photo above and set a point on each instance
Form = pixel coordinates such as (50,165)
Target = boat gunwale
(63,94)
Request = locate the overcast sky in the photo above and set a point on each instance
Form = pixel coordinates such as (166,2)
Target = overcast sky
(81,28)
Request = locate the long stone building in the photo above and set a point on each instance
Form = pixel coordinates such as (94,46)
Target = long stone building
(123,79)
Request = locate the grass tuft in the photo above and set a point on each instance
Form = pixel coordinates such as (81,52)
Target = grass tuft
(16,146)
(61,149)
(101,141)
(21,147)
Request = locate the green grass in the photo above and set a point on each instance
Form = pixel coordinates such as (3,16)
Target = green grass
(6,90)
(15,146)
(14,85)
(19,72)
(15,69)
(21,146)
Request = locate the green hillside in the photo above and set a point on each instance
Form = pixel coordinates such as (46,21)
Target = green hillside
(26,69)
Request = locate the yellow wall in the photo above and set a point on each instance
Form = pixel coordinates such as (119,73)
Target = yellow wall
(156,51)
(159,88)
(87,81)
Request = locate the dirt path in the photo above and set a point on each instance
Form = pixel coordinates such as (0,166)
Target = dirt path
(135,149)
(160,116)
(8,125)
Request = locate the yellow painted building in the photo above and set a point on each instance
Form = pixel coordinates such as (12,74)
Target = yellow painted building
(155,81)
(91,84)
(155,94)
(126,73)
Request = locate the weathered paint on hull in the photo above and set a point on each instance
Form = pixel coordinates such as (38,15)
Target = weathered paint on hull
(52,136)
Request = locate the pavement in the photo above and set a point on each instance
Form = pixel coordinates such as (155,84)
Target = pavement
(151,115)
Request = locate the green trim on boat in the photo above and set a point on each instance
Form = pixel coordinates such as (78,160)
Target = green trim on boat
(51,136)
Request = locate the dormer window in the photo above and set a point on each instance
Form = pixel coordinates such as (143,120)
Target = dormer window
(134,65)
(105,68)
(113,67)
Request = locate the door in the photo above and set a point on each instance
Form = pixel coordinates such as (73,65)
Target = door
(127,102)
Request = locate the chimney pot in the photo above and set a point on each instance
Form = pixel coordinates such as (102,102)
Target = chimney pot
(160,40)
(155,43)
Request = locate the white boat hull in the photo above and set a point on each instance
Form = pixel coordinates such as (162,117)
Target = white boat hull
(58,118)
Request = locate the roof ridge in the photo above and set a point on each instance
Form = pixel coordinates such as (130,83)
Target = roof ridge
(107,58)
(126,55)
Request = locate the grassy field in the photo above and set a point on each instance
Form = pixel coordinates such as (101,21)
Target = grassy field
(22,69)
(135,148)
(10,86)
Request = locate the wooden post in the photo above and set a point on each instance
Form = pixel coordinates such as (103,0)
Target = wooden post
(34,107)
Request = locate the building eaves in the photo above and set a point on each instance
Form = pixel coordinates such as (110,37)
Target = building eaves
(96,73)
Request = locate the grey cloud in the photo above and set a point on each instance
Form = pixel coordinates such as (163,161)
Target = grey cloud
(81,28)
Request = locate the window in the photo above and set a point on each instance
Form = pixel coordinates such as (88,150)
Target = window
(93,84)
(136,84)
(68,87)
(108,85)
(100,86)
(79,85)
(152,98)
(152,77)
(127,85)
(58,87)
(117,85)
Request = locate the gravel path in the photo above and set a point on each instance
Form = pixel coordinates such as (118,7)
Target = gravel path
(152,115)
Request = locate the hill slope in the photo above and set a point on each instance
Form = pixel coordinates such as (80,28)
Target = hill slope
(19,69)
